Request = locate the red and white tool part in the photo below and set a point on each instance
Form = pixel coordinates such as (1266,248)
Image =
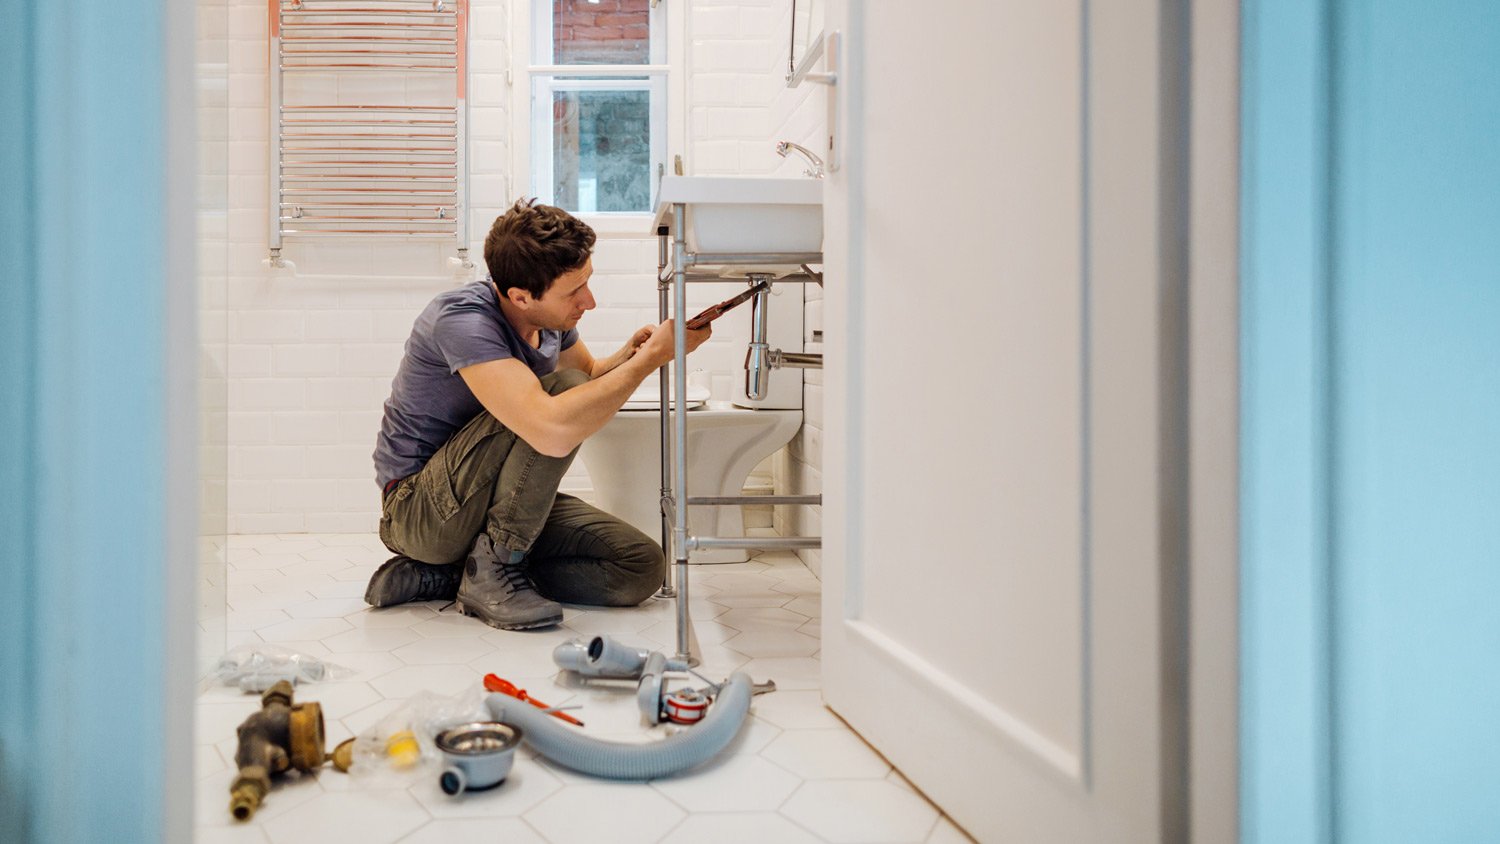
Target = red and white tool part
(686,706)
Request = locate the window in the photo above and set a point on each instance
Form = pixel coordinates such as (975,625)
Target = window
(599,78)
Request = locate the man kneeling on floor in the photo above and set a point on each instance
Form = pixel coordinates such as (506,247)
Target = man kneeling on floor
(487,410)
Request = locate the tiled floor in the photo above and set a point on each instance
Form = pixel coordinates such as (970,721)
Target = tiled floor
(795,773)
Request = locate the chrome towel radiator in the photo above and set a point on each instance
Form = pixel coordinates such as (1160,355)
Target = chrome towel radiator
(352,159)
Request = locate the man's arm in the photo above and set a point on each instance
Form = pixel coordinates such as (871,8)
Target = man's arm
(577,356)
(555,425)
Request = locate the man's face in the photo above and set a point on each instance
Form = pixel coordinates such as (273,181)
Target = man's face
(565,301)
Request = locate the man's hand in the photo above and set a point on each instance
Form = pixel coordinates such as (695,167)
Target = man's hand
(657,344)
(640,336)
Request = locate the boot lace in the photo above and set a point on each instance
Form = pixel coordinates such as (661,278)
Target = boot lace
(433,581)
(515,575)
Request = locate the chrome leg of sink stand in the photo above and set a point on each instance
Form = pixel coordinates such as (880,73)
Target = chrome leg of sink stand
(685,646)
(667,588)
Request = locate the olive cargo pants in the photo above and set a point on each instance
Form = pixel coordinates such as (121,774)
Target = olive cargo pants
(487,479)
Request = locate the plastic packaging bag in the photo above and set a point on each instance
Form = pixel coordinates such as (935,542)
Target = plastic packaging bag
(403,743)
(255,668)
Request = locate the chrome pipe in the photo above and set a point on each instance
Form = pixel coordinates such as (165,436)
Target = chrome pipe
(795,360)
(757,357)
(767,543)
(755,499)
(319,219)
(352,165)
(354,177)
(774,258)
(372,123)
(347,232)
(404,206)
(394,67)
(679,416)
(367,107)
(364,192)
(299,150)
(668,503)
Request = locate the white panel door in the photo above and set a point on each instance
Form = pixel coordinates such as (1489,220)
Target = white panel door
(998,574)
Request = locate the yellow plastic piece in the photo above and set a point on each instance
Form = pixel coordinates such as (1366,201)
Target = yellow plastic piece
(403,750)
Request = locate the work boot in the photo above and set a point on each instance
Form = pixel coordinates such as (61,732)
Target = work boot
(499,593)
(401,579)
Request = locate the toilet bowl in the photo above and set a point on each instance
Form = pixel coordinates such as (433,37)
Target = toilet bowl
(724,444)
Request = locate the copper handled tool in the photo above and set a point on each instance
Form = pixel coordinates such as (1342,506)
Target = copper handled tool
(725,306)
(494,683)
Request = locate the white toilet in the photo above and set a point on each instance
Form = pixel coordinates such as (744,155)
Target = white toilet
(725,440)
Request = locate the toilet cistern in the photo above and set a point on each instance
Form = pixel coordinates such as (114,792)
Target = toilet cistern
(784,148)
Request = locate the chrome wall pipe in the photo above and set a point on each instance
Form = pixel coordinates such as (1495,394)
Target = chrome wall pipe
(795,360)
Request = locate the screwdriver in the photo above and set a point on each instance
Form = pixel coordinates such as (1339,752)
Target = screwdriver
(494,683)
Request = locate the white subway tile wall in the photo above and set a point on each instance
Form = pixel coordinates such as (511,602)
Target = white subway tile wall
(310,353)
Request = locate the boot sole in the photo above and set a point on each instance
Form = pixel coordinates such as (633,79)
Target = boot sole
(464,609)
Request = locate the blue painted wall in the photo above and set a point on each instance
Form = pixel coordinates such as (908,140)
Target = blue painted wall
(86,692)
(1371,413)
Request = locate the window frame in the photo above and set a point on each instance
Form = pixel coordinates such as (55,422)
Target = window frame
(534,82)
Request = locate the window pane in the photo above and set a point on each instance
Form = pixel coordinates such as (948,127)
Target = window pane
(602,32)
(601,150)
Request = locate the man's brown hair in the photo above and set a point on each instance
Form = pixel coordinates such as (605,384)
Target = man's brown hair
(530,245)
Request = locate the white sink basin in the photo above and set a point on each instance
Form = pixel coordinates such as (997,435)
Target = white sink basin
(744,214)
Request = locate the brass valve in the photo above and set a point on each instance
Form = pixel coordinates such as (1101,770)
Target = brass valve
(281,735)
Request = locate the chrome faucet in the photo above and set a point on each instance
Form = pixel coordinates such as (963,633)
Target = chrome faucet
(783,148)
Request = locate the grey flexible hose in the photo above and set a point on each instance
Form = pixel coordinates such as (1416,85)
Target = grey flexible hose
(617,760)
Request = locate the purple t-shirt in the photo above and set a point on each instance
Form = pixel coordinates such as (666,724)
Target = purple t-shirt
(429,400)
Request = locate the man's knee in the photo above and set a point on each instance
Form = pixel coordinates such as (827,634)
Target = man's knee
(644,566)
(563,379)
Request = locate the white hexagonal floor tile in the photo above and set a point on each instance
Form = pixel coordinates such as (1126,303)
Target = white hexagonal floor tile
(509,830)
(762,619)
(795,710)
(211,798)
(826,754)
(339,589)
(261,562)
(752,738)
(251,599)
(808,605)
(609,622)
(287,546)
(304,628)
(515,663)
(327,608)
(740,828)
(240,834)
(734,783)
(948,832)
(336,699)
(760,644)
(369,817)
(406,615)
(790,673)
(442,651)
(366,639)
(527,785)
(450,623)
(617,813)
(438,679)
(709,632)
(239,622)
(861,812)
